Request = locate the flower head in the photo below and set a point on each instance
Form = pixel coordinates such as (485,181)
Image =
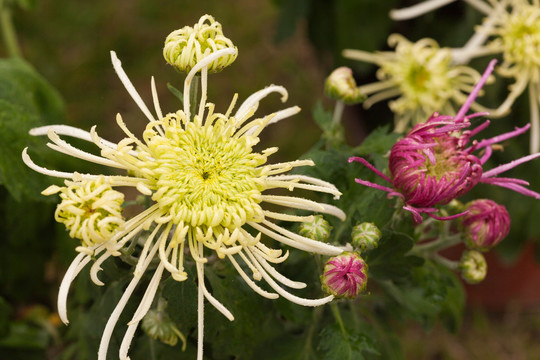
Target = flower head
(434,163)
(208,191)
(90,209)
(421,75)
(485,224)
(366,236)
(340,85)
(186,47)
(345,276)
(473,266)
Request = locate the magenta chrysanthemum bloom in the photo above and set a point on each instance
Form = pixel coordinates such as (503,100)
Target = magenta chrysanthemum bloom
(485,225)
(345,275)
(433,164)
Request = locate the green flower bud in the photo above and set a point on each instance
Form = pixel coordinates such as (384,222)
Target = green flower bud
(158,325)
(185,47)
(319,229)
(366,236)
(340,85)
(473,266)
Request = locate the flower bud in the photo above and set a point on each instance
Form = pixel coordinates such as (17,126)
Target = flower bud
(185,47)
(485,225)
(473,266)
(158,325)
(319,229)
(90,209)
(366,236)
(345,275)
(340,85)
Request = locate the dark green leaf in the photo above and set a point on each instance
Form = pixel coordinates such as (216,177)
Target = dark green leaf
(335,345)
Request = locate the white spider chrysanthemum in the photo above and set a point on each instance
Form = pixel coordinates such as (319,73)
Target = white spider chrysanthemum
(421,75)
(510,28)
(207,187)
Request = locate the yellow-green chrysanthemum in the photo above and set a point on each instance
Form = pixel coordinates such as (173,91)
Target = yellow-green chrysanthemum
(208,191)
(510,28)
(422,77)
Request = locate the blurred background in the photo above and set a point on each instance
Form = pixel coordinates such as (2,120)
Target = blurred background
(294,43)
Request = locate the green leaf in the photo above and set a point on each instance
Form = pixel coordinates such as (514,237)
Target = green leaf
(175,92)
(379,141)
(26,101)
(335,345)
(389,261)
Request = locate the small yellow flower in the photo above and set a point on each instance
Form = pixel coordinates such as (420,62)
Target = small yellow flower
(90,209)
(186,47)
(422,77)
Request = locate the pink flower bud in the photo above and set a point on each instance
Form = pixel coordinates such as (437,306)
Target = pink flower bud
(485,225)
(345,275)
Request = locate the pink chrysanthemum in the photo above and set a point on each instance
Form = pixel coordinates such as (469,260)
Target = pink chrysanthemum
(345,275)
(485,225)
(433,163)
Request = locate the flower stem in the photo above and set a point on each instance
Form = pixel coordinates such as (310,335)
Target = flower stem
(441,243)
(339,320)
(8,30)
(193,94)
(338,112)
(452,265)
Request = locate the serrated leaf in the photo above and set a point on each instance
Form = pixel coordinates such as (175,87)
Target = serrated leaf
(335,345)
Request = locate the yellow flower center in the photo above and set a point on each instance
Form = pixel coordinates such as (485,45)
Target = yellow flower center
(204,174)
(520,36)
(422,72)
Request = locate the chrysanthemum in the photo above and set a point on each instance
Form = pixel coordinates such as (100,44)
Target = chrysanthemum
(422,77)
(510,28)
(208,191)
(433,164)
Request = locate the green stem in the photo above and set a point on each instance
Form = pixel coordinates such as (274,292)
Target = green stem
(339,320)
(193,95)
(452,265)
(436,245)
(8,31)
(338,112)
(317,313)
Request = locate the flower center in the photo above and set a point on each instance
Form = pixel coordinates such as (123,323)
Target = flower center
(205,175)
(520,35)
(423,73)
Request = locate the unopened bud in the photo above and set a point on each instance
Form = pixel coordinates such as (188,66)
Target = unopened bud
(473,266)
(366,236)
(340,85)
(345,275)
(319,229)
(158,325)
(485,225)
(185,47)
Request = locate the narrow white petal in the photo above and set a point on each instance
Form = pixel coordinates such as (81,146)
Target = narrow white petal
(418,9)
(297,241)
(113,319)
(117,64)
(251,104)
(250,282)
(204,62)
(71,274)
(278,276)
(293,298)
